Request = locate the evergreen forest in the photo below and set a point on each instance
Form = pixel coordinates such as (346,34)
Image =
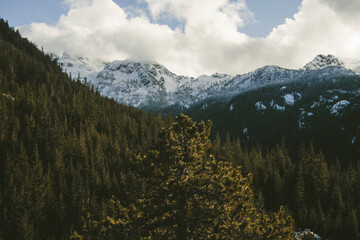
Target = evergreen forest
(77,165)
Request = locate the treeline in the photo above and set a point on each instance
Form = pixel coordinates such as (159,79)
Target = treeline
(74,164)
(64,149)
(308,120)
(183,192)
(320,196)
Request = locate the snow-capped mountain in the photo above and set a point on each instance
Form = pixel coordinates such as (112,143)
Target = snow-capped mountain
(317,106)
(140,84)
(261,105)
(80,67)
(150,85)
(322,61)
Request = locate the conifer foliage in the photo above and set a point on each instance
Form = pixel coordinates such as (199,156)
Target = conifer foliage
(77,165)
(320,196)
(187,194)
(64,149)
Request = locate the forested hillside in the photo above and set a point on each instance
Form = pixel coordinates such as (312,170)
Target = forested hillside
(321,196)
(64,149)
(76,165)
(184,192)
(72,161)
(324,111)
(300,140)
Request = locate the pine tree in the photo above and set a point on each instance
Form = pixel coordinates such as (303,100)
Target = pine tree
(188,194)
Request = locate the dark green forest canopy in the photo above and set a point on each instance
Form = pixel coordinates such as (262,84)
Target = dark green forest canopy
(64,149)
(311,118)
(185,193)
(66,152)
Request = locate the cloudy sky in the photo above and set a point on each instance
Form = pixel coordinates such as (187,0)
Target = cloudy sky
(192,37)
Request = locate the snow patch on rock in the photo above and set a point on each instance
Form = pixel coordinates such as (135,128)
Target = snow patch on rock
(231,108)
(278,107)
(338,107)
(289,99)
(260,106)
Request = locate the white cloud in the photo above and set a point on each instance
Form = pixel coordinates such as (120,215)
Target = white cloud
(316,28)
(348,9)
(210,39)
(102,30)
(77,3)
(217,17)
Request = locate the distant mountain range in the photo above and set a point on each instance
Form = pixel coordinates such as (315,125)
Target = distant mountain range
(149,85)
(318,103)
(321,107)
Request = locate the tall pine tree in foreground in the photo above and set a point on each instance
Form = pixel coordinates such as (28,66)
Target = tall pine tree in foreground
(185,193)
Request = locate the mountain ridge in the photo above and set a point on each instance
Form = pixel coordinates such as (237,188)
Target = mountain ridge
(149,85)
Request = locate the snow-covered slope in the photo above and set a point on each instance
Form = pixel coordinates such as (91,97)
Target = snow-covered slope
(150,85)
(140,84)
(321,104)
(80,67)
(322,61)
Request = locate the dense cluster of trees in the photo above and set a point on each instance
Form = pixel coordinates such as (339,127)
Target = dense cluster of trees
(64,149)
(323,197)
(77,165)
(185,193)
(303,122)
(314,169)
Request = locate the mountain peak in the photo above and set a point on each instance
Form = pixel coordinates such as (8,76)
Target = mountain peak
(150,85)
(323,61)
(129,66)
(79,66)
